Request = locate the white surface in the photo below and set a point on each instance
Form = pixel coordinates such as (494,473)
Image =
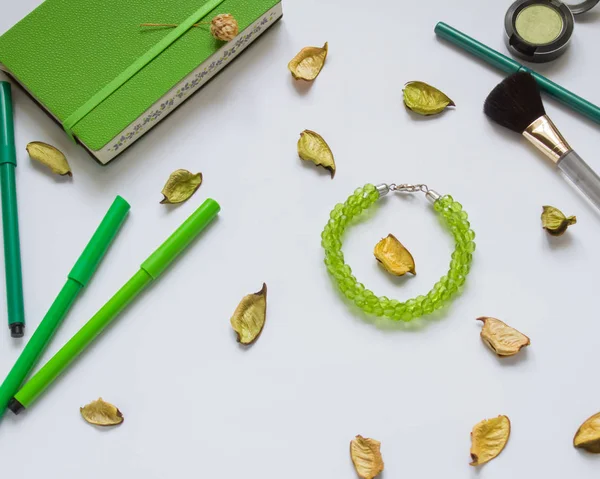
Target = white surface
(196,404)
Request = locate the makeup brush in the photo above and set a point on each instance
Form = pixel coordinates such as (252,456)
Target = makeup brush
(516,104)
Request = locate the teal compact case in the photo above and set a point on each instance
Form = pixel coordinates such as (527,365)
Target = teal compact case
(540,30)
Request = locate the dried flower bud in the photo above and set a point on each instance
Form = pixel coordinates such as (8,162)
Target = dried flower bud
(555,222)
(224,27)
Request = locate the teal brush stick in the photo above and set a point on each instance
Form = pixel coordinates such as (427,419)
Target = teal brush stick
(78,279)
(510,66)
(150,270)
(10,215)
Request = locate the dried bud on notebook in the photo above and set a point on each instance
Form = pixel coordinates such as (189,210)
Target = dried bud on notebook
(106,79)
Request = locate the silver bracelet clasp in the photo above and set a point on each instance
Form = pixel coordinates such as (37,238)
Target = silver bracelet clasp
(383,189)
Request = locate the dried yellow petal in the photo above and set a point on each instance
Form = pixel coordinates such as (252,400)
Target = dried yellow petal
(312,147)
(555,222)
(394,257)
(180,186)
(50,156)
(425,99)
(366,456)
(101,413)
(588,435)
(249,318)
(307,64)
(501,338)
(488,439)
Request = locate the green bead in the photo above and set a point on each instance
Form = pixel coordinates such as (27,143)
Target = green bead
(427,306)
(456,207)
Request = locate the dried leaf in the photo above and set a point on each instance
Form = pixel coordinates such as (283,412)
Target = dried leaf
(501,338)
(249,318)
(307,64)
(180,186)
(425,99)
(588,435)
(312,147)
(366,457)
(555,222)
(50,156)
(101,413)
(394,257)
(488,439)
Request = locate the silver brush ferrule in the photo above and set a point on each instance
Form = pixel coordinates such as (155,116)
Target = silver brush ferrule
(545,136)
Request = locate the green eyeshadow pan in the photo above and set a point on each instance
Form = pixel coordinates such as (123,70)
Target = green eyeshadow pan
(539,24)
(540,30)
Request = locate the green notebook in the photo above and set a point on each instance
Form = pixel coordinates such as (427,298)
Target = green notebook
(66,52)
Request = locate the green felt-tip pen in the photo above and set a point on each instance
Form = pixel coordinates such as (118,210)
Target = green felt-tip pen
(78,279)
(10,215)
(510,66)
(150,270)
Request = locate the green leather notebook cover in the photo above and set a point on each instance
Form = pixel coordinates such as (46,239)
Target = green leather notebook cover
(67,50)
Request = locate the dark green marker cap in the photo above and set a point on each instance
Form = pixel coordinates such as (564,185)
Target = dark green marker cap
(96,249)
(7,131)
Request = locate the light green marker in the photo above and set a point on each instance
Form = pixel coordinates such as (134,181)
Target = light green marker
(150,270)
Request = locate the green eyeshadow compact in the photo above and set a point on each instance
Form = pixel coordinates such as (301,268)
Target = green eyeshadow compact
(540,30)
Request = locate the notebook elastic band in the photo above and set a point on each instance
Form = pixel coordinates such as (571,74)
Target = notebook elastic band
(136,66)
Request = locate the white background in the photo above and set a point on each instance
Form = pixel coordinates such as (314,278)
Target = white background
(198,405)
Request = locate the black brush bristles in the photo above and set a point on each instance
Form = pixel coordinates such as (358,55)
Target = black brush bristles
(515,103)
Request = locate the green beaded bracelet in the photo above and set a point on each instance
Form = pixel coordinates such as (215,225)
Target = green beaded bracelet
(454,217)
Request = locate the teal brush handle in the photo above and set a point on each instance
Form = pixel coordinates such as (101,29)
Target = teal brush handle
(510,66)
(10,215)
